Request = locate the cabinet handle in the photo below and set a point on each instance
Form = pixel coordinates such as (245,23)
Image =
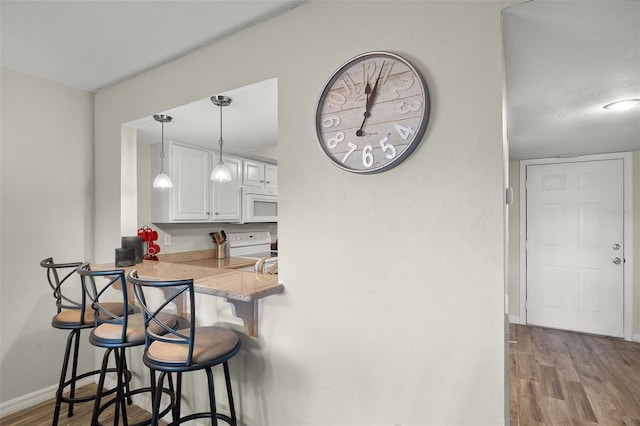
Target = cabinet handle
(261,181)
(208,213)
(216,213)
(268,182)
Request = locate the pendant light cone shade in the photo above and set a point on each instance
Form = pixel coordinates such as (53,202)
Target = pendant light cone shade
(162,180)
(221,172)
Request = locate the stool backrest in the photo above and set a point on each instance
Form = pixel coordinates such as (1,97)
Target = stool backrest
(59,274)
(97,291)
(174,291)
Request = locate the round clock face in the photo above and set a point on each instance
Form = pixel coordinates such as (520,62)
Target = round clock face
(372,113)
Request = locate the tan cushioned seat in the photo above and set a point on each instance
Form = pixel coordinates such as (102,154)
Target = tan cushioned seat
(210,343)
(135,327)
(72,316)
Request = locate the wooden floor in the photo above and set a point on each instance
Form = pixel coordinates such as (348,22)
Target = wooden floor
(562,378)
(556,378)
(42,414)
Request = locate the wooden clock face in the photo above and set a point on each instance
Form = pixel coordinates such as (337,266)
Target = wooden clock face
(372,113)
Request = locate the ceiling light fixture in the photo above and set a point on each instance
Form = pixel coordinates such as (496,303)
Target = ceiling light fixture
(162,180)
(221,172)
(622,105)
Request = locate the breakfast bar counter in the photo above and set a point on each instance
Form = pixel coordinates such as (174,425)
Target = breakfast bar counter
(216,277)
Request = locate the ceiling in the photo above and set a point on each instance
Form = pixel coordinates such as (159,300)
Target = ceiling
(564,60)
(94,44)
(249,123)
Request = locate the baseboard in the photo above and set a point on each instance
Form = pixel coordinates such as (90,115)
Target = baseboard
(635,338)
(514,319)
(35,398)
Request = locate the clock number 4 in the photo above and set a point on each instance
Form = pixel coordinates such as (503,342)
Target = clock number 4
(403,131)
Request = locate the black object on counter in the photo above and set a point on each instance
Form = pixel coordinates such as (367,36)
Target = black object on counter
(134,243)
(125,257)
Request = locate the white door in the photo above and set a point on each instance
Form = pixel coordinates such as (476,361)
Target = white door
(575,253)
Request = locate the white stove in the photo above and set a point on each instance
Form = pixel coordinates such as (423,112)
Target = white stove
(253,245)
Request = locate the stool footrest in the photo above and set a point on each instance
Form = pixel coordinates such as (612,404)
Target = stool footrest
(203,415)
(68,399)
(136,392)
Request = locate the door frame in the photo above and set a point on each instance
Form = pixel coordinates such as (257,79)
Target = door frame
(627,159)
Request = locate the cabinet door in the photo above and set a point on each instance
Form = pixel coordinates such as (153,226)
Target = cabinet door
(226,195)
(271,176)
(190,168)
(253,174)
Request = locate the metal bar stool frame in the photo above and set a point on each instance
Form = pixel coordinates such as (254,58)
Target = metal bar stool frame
(116,345)
(174,291)
(59,275)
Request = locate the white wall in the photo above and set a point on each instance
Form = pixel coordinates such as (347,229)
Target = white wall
(402,322)
(514,243)
(46,210)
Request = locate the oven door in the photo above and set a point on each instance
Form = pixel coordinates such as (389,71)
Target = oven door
(260,205)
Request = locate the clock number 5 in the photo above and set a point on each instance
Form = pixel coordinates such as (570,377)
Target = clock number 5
(386,146)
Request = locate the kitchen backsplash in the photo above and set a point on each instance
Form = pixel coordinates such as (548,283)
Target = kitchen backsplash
(189,237)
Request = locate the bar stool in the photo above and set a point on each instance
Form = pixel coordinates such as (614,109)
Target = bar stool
(73,314)
(189,349)
(115,333)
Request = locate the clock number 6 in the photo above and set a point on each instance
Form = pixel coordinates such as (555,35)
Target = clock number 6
(367,156)
(386,146)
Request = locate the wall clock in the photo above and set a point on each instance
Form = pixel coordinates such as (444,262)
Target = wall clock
(372,113)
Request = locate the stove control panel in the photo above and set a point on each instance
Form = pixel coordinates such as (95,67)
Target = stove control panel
(244,239)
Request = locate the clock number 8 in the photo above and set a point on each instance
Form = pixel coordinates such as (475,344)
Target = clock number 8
(334,141)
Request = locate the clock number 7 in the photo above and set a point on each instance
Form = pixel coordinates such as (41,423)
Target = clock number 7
(352,148)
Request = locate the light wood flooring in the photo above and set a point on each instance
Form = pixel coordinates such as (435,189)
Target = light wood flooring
(556,378)
(41,414)
(563,378)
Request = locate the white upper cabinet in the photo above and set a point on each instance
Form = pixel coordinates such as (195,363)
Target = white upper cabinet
(226,195)
(194,197)
(271,176)
(189,168)
(259,175)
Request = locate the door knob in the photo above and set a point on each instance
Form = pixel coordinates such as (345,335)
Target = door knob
(616,246)
(617,260)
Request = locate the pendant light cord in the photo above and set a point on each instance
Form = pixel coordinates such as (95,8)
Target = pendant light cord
(220,142)
(162,149)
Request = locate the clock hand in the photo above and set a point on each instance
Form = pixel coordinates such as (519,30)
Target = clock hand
(367,91)
(370,99)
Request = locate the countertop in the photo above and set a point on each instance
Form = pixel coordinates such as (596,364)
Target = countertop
(211,276)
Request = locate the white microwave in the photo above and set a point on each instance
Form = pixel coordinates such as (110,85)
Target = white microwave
(259,205)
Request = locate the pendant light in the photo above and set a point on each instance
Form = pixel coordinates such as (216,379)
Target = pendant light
(162,180)
(221,172)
